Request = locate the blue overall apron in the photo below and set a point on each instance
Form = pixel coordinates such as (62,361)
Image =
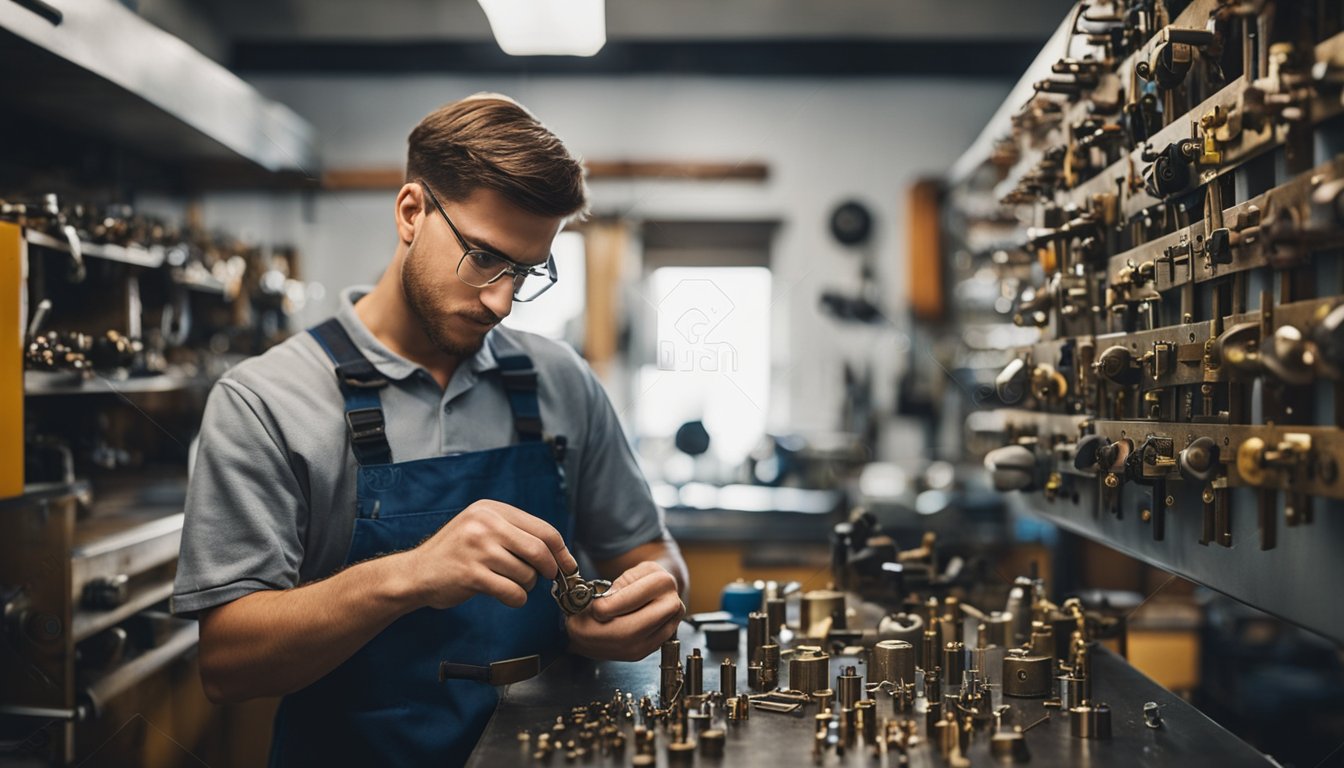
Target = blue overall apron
(385,705)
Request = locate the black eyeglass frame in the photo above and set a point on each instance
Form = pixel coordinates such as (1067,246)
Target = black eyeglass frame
(511,267)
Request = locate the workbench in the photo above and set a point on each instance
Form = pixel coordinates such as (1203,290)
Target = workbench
(1186,737)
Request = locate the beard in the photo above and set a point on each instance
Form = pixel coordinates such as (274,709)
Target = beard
(447,329)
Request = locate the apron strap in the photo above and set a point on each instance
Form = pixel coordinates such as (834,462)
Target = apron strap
(520,385)
(359,382)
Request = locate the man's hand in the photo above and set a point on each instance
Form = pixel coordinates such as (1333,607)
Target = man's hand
(640,611)
(489,548)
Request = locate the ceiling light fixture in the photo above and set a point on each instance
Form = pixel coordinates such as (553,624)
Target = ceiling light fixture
(548,27)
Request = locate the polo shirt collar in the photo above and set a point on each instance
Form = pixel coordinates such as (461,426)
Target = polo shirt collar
(389,363)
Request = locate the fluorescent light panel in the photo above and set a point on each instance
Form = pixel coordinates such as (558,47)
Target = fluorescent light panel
(548,27)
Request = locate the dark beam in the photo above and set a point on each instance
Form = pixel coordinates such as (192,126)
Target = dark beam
(349,179)
(763,58)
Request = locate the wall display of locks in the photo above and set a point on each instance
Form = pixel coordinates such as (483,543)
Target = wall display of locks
(1152,228)
(122,324)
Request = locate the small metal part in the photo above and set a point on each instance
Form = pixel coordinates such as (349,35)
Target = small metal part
(769,666)
(849,686)
(776,706)
(946,735)
(1010,745)
(1090,721)
(1075,690)
(1042,721)
(738,708)
(892,661)
(711,743)
(1152,714)
(824,698)
(757,635)
(1042,639)
(681,753)
(728,679)
(865,720)
(809,671)
(933,712)
(1025,676)
(722,636)
(847,722)
(821,610)
(670,675)
(695,673)
(574,594)
(774,613)
(754,676)
(823,721)
(954,663)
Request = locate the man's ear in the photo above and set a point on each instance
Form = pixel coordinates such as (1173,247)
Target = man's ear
(410,205)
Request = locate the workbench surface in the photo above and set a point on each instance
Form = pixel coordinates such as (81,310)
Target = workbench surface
(1187,738)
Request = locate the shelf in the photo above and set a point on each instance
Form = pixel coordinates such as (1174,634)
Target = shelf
(89,623)
(135,255)
(105,72)
(51,383)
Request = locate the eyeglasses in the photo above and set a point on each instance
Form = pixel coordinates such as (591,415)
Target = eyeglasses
(479,267)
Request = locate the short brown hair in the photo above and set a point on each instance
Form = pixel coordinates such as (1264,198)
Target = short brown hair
(490,140)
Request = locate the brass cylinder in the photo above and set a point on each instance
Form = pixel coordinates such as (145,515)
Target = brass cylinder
(711,743)
(849,686)
(669,670)
(892,661)
(671,653)
(1089,721)
(695,673)
(824,698)
(728,679)
(774,613)
(809,671)
(757,635)
(930,653)
(998,627)
(821,610)
(1078,690)
(1042,639)
(865,720)
(954,663)
(769,666)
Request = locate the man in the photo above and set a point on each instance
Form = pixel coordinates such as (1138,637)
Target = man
(398,487)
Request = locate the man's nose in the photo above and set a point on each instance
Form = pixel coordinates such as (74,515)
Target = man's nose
(498,297)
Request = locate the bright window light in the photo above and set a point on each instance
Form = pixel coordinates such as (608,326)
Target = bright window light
(713,356)
(558,313)
(548,27)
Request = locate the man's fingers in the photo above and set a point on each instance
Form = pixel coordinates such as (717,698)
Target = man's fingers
(632,597)
(503,589)
(549,536)
(507,564)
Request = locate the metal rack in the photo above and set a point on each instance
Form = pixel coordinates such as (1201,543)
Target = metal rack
(1174,225)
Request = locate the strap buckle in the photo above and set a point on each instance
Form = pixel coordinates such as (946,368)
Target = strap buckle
(524,379)
(504,672)
(365,424)
(360,374)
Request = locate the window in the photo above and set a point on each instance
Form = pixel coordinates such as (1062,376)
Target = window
(558,313)
(712,356)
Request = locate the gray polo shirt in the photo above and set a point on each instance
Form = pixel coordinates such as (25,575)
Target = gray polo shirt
(271,501)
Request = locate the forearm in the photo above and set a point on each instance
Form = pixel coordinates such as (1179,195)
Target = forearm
(276,642)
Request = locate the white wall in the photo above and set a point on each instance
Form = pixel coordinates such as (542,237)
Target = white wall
(824,141)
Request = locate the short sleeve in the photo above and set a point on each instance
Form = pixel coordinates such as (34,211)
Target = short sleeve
(615,511)
(244,506)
